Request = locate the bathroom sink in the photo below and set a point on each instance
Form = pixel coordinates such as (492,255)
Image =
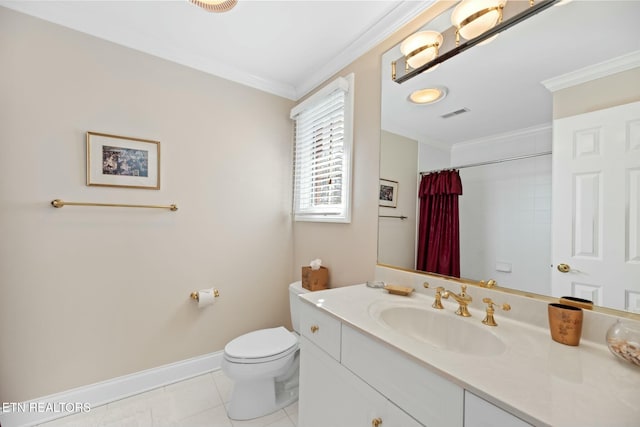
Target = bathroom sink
(441,329)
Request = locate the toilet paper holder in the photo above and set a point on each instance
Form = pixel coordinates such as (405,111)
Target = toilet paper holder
(195,295)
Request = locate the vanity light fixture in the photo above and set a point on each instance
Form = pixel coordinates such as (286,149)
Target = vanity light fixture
(472,18)
(421,47)
(474,22)
(428,96)
(216,6)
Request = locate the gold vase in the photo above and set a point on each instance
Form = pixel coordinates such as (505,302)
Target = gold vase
(565,323)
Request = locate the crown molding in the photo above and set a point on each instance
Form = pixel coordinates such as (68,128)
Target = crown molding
(425,139)
(533,130)
(592,72)
(402,13)
(224,71)
(442,146)
(60,14)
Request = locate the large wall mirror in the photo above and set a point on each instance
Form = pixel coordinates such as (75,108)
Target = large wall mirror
(498,113)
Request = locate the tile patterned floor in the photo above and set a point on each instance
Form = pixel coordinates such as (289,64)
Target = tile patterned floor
(197,402)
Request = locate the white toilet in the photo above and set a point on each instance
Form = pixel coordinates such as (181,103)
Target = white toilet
(264,367)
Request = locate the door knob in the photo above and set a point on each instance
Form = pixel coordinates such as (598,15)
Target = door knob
(564,268)
(314,329)
(376,422)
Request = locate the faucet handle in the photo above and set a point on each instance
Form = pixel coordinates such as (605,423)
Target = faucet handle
(489,320)
(437,302)
(488,284)
(491,304)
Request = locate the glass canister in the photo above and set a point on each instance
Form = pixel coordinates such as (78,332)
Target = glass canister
(623,340)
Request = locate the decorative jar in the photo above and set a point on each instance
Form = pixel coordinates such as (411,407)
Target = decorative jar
(623,339)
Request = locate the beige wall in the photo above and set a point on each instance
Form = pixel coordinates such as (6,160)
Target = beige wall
(88,294)
(616,89)
(396,237)
(350,250)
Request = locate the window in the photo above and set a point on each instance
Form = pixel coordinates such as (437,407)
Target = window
(322,162)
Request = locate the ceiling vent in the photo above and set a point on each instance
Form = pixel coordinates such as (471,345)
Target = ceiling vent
(455,113)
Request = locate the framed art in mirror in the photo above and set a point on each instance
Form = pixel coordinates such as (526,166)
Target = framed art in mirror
(388,193)
(120,161)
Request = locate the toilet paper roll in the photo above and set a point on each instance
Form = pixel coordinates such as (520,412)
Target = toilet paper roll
(206,297)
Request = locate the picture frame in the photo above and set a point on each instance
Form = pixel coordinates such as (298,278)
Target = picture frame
(122,161)
(388,195)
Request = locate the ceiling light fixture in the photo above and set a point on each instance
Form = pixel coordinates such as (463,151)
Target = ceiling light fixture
(428,96)
(475,17)
(216,6)
(476,21)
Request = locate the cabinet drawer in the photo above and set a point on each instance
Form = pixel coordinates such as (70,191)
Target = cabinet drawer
(321,329)
(332,396)
(429,398)
(480,413)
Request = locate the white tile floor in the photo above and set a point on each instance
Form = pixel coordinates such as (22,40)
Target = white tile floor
(197,402)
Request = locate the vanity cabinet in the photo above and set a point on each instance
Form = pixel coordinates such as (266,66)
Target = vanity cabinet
(331,395)
(480,413)
(349,379)
(428,397)
(321,329)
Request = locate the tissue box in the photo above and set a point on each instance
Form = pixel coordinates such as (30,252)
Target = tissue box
(315,280)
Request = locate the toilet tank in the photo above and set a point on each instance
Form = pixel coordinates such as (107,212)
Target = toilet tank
(295,289)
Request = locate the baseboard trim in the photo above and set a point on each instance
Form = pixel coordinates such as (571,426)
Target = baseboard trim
(55,406)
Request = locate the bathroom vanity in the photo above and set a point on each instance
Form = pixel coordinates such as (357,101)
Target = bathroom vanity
(369,358)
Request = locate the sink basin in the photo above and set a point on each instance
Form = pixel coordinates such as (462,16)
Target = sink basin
(441,329)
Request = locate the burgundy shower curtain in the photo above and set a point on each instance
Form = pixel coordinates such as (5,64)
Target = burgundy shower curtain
(438,230)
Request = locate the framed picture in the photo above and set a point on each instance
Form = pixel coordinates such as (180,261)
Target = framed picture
(388,193)
(120,161)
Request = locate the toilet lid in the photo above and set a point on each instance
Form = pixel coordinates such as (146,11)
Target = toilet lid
(260,344)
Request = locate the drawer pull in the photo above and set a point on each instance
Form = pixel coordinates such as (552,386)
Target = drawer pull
(376,422)
(314,329)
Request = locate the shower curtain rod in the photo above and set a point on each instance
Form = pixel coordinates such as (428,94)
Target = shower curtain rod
(490,162)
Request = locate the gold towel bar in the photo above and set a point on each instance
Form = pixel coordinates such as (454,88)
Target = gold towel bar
(196,296)
(57,203)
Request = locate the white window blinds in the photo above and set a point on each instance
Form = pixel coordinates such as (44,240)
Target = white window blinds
(322,164)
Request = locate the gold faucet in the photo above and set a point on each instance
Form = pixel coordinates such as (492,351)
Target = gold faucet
(463,299)
(489,320)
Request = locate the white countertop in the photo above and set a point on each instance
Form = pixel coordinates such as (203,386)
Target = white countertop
(535,378)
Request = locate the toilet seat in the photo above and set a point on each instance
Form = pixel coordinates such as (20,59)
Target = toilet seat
(261,346)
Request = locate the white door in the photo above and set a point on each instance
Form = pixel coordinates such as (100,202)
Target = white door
(596,207)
